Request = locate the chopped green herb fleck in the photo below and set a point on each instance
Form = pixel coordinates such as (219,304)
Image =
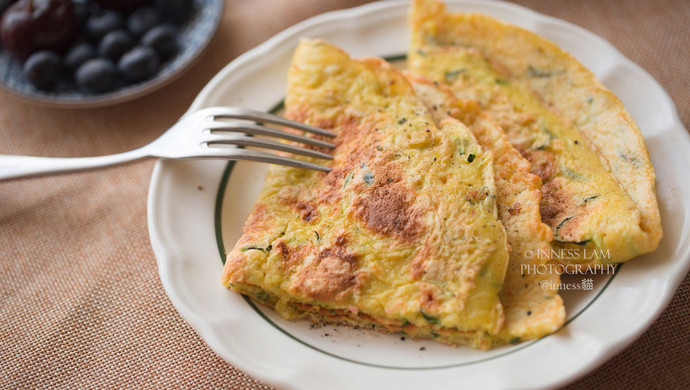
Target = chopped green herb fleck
(429,318)
(255,248)
(546,130)
(557,236)
(347,179)
(451,75)
(470,158)
(368,178)
(402,121)
(587,199)
(585,242)
(534,72)
(569,173)
(460,143)
(514,340)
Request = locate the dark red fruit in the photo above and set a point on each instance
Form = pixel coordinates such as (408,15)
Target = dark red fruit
(28,26)
(125,6)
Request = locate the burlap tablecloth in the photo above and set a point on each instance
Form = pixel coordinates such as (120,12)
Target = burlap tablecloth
(81,304)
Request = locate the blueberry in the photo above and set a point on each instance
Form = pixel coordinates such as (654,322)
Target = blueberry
(115,44)
(97,75)
(142,20)
(139,64)
(175,11)
(101,23)
(163,39)
(79,54)
(42,69)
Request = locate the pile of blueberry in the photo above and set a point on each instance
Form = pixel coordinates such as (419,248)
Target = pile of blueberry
(101,45)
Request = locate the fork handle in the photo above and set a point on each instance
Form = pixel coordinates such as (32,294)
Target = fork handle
(18,167)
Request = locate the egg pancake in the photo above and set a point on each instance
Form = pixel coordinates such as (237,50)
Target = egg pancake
(401,235)
(598,183)
(530,300)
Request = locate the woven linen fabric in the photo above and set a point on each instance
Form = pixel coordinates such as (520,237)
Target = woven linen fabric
(81,303)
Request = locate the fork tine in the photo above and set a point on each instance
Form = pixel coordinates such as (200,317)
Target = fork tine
(258,116)
(242,140)
(267,131)
(255,155)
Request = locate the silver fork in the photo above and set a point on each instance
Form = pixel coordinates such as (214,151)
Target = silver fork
(200,134)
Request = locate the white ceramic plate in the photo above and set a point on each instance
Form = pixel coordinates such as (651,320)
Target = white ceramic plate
(198,207)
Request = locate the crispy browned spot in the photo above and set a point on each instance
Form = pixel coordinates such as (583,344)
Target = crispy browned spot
(283,249)
(559,210)
(417,268)
(331,275)
(345,127)
(542,163)
(331,184)
(514,209)
(257,218)
(386,208)
(476,195)
(348,154)
(428,301)
(237,260)
(341,241)
(292,257)
(294,198)
(308,212)
(567,231)
(553,202)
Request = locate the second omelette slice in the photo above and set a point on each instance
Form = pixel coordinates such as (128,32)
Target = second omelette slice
(598,184)
(401,235)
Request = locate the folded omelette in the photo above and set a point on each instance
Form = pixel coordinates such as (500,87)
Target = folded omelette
(402,235)
(598,183)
